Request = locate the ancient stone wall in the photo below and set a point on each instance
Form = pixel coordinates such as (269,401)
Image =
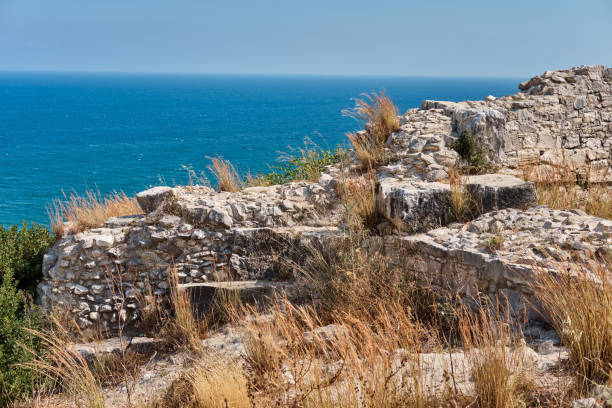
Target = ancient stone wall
(99,274)
(558,116)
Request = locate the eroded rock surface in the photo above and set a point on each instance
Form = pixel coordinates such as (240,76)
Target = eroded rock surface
(497,253)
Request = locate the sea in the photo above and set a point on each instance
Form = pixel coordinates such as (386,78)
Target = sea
(69,132)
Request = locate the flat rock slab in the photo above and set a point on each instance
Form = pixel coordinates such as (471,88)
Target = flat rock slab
(114,345)
(498,253)
(205,296)
(416,206)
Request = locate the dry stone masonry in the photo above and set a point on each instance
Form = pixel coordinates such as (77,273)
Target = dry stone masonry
(559,117)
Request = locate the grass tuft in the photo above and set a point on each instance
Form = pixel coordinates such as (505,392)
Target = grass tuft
(578,300)
(502,371)
(561,187)
(226,174)
(90,210)
(380,116)
(358,194)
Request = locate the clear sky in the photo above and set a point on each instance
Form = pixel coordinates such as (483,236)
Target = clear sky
(347,37)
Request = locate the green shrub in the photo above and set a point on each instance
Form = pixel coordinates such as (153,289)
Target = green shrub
(21,251)
(307,165)
(468,148)
(17,342)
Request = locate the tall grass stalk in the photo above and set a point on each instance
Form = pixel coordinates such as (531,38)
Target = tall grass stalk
(501,371)
(90,210)
(68,367)
(226,174)
(380,116)
(578,300)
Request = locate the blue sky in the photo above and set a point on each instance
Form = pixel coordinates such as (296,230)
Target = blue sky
(374,37)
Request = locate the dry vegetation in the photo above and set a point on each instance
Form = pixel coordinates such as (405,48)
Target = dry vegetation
(75,213)
(562,187)
(380,116)
(358,193)
(226,174)
(462,205)
(361,343)
(578,300)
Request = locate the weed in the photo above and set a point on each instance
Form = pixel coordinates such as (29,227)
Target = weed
(380,116)
(227,177)
(501,368)
(88,211)
(469,149)
(305,164)
(578,300)
(462,204)
(358,194)
(495,242)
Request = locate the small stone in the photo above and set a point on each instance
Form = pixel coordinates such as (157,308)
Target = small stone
(580,102)
(105,241)
(221,217)
(586,403)
(80,290)
(545,347)
(169,221)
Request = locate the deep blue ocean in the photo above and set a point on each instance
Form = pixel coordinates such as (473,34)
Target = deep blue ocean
(65,132)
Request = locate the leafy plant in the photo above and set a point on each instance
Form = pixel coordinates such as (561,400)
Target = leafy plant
(306,164)
(468,148)
(18,318)
(21,252)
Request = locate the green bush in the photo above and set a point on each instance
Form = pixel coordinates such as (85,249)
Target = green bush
(17,342)
(21,251)
(304,166)
(468,148)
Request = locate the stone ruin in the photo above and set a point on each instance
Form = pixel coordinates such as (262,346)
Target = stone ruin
(210,237)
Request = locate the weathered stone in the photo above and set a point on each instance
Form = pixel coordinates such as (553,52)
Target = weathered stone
(149,200)
(417,206)
(496,191)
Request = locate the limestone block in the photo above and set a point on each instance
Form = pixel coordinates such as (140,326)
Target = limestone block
(149,200)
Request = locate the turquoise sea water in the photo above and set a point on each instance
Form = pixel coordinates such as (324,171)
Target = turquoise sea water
(126,131)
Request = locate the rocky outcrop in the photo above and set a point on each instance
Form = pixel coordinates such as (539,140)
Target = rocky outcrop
(498,253)
(560,116)
(416,206)
(99,275)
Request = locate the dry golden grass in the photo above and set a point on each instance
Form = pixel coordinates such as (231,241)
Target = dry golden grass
(358,193)
(66,366)
(380,116)
(89,210)
(462,203)
(226,174)
(354,363)
(181,328)
(578,300)
(369,151)
(562,187)
(501,372)
(219,385)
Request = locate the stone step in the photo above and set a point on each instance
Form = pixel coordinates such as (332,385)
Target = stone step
(105,347)
(417,206)
(204,296)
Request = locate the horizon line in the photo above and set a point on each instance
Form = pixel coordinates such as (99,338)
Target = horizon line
(270,74)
